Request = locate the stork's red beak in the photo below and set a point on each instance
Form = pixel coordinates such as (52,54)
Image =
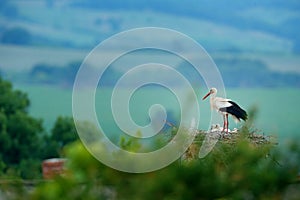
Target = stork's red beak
(206,95)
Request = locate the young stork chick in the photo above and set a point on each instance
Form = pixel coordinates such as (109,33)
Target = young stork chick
(225,107)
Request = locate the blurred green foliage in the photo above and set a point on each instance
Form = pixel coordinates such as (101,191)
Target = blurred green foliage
(241,170)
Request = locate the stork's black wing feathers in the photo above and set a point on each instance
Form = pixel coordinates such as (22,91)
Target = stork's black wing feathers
(235,110)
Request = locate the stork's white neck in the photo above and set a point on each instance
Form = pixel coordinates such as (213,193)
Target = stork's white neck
(213,95)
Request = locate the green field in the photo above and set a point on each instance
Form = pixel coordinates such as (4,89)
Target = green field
(277,115)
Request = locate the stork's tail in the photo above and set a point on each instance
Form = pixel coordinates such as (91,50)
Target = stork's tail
(237,111)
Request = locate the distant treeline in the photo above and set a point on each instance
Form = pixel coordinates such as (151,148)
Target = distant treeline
(65,75)
(254,73)
(236,72)
(53,75)
(243,72)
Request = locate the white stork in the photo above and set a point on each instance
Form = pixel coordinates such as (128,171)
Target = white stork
(225,107)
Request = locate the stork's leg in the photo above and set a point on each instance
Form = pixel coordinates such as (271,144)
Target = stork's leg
(227,123)
(224,123)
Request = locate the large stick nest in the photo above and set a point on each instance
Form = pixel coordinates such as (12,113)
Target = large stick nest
(254,137)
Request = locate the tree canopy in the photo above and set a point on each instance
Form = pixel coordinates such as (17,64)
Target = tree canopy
(20,133)
(23,141)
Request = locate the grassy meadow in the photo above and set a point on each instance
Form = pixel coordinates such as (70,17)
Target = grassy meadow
(277,108)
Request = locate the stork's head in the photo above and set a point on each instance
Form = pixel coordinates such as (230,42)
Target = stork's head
(211,91)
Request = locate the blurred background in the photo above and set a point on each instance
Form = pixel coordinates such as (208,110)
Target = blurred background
(255,45)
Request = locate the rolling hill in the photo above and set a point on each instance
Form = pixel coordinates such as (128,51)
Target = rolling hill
(240,37)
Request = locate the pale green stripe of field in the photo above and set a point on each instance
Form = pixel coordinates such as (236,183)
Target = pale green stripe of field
(278,109)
